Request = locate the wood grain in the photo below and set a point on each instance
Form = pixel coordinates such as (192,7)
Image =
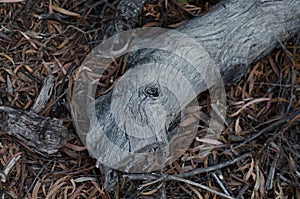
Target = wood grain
(235,34)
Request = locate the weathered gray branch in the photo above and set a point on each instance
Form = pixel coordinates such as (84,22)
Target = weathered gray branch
(243,31)
(43,134)
(234,35)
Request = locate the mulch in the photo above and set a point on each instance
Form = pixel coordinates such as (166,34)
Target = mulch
(257,156)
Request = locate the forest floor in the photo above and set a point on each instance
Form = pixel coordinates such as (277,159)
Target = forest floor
(258,153)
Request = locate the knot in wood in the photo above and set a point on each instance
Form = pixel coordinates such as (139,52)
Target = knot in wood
(152,92)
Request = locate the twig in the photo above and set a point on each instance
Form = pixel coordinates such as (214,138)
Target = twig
(36,178)
(242,191)
(152,182)
(281,121)
(163,191)
(159,177)
(219,182)
(142,176)
(212,168)
(199,185)
(269,183)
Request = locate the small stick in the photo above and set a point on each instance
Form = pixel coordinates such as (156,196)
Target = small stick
(159,177)
(212,168)
(199,185)
(216,178)
(281,121)
(242,191)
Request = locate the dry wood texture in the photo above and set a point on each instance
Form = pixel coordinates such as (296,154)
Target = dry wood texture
(235,34)
(43,134)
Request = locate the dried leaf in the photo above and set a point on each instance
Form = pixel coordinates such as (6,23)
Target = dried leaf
(238,129)
(250,171)
(147,193)
(64,11)
(209,141)
(75,147)
(248,104)
(8,57)
(188,121)
(36,188)
(198,194)
(273,65)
